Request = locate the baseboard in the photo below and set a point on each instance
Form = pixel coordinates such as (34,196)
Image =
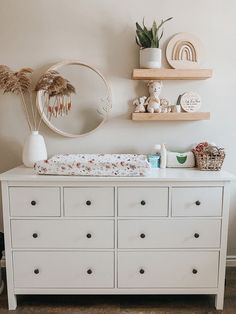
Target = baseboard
(230,261)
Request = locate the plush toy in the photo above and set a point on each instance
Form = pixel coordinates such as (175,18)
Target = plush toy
(153,102)
(139,103)
(165,105)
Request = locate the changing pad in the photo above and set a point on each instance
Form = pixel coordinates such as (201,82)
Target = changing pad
(114,165)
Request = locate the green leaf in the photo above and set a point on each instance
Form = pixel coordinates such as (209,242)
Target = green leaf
(146,31)
(154,44)
(143,23)
(163,22)
(160,37)
(137,41)
(138,26)
(143,39)
(170,18)
(159,27)
(154,29)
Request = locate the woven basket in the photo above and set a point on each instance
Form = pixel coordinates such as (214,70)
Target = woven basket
(209,161)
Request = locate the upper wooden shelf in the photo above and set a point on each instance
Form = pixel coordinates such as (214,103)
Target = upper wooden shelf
(171,74)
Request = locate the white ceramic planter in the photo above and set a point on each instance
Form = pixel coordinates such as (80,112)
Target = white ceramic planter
(150,58)
(34,149)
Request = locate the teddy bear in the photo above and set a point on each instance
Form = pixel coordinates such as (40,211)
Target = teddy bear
(139,103)
(153,102)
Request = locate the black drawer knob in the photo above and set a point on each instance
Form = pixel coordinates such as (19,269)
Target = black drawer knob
(35,235)
(142,235)
(194,271)
(88,235)
(141,271)
(36,271)
(88,203)
(89,271)
(143,203)
(196,235)
(33,203)
(198,203)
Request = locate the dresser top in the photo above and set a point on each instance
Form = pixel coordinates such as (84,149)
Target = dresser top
(170,174)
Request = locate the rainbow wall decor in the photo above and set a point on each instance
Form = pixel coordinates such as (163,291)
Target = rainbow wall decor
(182,51)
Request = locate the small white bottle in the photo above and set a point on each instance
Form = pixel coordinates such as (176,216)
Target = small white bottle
(157,149)
(163,156)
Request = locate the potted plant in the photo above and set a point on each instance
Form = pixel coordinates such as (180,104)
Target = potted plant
(149,42)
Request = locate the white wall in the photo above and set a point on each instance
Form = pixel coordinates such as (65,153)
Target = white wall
(101,32)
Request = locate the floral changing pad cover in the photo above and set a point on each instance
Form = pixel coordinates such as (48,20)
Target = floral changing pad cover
(114,165)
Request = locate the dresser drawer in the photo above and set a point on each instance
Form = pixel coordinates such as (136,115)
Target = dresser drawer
(143,201)
(168,269)
(169,233)
(34,201)
(62,233)
(197,201)
(86,201)
(63,269)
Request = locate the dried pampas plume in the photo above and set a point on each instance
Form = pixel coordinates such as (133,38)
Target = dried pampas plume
(15,82)
(54,84)
(60,89)
(46,80)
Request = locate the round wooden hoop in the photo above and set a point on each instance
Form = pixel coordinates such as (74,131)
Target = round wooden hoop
(39,103)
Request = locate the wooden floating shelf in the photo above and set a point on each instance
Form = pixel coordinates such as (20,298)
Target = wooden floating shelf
(172,116)
(171,74)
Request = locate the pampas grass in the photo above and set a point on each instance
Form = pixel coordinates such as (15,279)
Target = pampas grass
(54,84)
(20,83)
(17,83)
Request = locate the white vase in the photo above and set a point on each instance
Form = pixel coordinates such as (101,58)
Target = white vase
(34,149)
(150,58)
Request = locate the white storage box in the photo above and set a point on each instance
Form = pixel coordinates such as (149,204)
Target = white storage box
(180,160)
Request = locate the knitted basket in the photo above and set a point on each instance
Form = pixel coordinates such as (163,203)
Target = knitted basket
(210,161)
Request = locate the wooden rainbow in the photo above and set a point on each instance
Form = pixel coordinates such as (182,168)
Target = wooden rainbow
(184,51)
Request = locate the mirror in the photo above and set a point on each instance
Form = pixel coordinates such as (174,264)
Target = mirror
(82,110)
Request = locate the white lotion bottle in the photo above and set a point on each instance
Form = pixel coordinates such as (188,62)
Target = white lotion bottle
(163,156)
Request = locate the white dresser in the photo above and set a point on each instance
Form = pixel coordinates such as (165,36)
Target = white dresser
(163,234)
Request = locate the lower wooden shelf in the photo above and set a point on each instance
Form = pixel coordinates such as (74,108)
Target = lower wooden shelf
(172,116)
